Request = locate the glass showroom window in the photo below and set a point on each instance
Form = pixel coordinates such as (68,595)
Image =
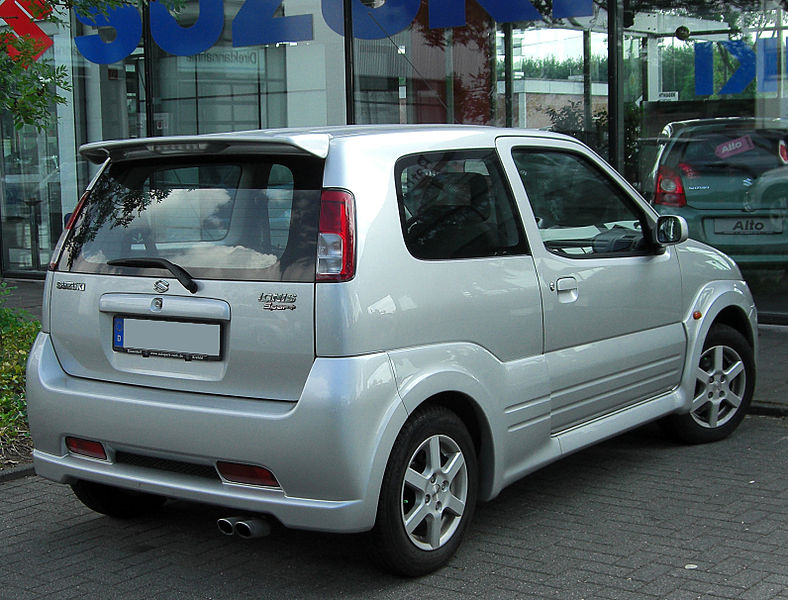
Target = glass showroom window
(554,74)
(706,133)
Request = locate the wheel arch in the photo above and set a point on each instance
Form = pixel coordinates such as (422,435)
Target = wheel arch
(735,317)
(472,416)
(724,302)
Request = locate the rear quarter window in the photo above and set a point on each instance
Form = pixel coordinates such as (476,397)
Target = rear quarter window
(245,218)
(457,205)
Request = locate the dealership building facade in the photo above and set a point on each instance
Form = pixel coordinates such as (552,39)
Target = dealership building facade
(612,75)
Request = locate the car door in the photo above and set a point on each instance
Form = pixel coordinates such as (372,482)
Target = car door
(612,316)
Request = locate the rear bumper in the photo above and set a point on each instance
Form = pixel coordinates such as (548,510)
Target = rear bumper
(328,450)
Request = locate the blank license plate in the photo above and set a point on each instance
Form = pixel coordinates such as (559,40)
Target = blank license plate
(167,339)
(748,225)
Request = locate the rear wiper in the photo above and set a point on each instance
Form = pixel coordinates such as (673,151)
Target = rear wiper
(144,262)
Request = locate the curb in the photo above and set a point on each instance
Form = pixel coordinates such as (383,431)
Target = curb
(17,472)
(768,411)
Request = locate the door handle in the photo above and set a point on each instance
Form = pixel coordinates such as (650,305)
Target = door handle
(566,288)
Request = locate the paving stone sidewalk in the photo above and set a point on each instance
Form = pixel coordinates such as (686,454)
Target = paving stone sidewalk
(635,518)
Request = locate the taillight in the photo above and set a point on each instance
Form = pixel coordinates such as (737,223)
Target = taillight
(670,189)
(55,257)
(783,151)
(336,252)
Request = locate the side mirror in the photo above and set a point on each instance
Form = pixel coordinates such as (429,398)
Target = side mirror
(671,229)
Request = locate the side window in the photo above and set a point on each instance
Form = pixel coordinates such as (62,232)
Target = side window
(457,205)
(580,211)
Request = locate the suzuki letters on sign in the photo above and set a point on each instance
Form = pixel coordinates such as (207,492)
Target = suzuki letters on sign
(256,24)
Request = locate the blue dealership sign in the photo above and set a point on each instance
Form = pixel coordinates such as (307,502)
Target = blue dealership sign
(757,63)
(257,24)
(186,41)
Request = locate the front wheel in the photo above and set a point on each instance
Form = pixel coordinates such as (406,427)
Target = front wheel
(428,494)
(724,384)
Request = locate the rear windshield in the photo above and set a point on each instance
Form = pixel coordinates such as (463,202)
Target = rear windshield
(746,151)
(244,219)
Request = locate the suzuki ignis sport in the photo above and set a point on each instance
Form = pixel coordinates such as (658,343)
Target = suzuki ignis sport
(369,328)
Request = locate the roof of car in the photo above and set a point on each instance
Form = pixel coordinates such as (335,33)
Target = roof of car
(677,127)
(310,140)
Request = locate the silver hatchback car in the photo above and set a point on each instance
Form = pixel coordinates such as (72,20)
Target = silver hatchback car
(369,328)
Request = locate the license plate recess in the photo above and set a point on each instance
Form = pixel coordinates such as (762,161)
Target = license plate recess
(167,339)
(747,225)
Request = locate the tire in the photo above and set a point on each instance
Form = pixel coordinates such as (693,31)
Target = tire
(428,494)
(116,502)
(724,384)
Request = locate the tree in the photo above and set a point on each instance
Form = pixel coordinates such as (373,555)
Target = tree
(29,86)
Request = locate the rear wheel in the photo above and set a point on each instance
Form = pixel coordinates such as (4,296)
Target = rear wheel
(724,384)
(116,502)
(428,494)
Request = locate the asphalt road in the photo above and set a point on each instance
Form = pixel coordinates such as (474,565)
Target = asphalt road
(638,517)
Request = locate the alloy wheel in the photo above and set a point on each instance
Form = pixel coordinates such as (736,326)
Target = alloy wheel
(720,384)
(434,492)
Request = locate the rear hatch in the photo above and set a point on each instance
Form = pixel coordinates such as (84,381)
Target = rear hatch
(193,271)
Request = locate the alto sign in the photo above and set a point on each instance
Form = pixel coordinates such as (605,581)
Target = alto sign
(257,23)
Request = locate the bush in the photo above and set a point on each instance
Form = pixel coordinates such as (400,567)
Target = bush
(17,332)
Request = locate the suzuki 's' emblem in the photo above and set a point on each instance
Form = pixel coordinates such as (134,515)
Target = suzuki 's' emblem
(161,286)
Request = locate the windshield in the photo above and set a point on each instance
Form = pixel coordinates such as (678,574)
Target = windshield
(246,219)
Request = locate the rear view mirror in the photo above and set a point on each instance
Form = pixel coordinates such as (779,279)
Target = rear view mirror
(671,229)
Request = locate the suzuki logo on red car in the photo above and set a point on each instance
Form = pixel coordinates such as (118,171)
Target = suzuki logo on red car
(20,16)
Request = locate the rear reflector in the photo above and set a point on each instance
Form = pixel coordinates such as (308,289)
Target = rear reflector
(248,474)
(86,448)
(336,259)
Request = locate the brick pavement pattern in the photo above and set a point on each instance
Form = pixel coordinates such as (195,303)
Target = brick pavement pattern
(637,517)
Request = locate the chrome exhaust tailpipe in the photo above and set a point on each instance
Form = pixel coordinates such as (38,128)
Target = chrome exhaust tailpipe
(252,527)
(227,524)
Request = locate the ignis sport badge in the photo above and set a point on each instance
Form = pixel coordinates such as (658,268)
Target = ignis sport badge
(278,301)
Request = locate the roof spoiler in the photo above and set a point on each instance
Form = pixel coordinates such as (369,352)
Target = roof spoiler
(315,144)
